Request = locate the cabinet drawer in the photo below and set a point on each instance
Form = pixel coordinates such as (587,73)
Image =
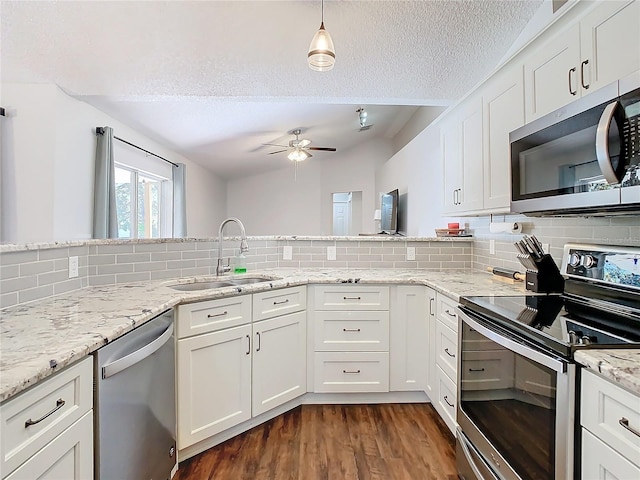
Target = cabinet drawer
(487,370)
(446,399)
(352,331)
(59,401)
(446,349)
(279,302)
(213,315)
(447,312)
(601,462)
(605,408)
(351,372)
(352,297)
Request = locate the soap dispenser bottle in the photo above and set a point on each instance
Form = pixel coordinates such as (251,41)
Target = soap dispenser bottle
(240,264)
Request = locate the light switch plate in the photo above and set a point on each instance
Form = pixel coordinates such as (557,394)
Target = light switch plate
(73,267)
(331,253)
(545,247)
(411,253)
(492,247)
(287,252)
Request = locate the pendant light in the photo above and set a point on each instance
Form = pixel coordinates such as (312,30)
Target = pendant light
(322,55)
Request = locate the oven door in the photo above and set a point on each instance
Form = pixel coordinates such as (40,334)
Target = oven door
(515,403)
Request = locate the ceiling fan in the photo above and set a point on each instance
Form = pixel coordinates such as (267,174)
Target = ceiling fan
(298,149)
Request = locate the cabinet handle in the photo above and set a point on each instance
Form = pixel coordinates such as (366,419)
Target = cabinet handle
(448,312)
(351,298)
(258,334)
(447,400)
(248,345)
(280,303)
(350,329)
(455,196)
(625,423)
(459,196)
(431,300)
(476,369)
(59,404)
(571,90)
(584,85)
(449,353)
(217,314)
(350,371)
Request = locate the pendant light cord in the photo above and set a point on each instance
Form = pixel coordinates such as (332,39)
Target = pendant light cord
(322,13)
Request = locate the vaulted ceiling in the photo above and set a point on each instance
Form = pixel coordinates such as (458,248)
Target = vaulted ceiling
(214,80)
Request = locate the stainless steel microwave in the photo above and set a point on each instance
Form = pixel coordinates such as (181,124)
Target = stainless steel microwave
(583,159)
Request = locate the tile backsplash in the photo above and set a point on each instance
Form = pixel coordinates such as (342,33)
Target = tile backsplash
(28,275)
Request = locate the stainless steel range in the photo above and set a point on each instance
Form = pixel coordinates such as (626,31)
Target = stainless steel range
(516,374)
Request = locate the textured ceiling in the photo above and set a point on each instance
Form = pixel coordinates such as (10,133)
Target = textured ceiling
(215,79)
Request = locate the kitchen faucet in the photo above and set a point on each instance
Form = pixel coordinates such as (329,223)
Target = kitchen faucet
(244,247)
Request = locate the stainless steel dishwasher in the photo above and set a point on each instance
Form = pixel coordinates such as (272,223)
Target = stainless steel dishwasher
(135,404)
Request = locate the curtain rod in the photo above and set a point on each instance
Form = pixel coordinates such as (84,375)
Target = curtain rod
(100,131)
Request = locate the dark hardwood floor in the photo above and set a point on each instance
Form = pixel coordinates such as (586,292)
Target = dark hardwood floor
(335,442)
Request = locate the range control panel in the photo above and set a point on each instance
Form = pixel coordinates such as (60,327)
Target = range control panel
(603,263)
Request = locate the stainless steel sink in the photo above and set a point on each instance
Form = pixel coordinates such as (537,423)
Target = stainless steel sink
(190,287)
(249,280)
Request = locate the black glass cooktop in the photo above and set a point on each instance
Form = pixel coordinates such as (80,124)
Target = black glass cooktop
(558,322)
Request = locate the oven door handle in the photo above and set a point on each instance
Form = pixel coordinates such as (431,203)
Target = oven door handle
(516,347)
(470,460)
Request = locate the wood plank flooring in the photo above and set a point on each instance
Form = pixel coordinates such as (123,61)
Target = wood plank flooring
(335,442)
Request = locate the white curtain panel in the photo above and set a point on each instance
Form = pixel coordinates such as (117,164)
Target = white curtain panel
(105,222)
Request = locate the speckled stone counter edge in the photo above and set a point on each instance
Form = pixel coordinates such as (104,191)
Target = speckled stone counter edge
(621,366)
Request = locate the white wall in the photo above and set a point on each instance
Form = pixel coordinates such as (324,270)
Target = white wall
(276,203)
(47,168)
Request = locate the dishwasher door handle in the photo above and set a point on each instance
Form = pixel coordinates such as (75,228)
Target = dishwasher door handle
(127,361)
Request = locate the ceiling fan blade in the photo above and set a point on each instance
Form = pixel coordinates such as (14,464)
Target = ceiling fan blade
(279,151)
(304,142)
(324,149)
(275,145)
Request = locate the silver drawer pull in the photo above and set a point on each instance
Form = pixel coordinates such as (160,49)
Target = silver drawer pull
(476,369)
(350,371)
(447,400)
(280,303)
(350,329)
(217,314)
(59,404)
(449,353)
(625,423)
(449,313)
(351,298)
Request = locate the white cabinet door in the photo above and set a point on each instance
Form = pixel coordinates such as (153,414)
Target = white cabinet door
(601,462)
(452,164)
(609,43)
(551,74)
(472,175)
(408,352)
(279,361)
(503,110)
(214,383)
(431,351)
(69,456)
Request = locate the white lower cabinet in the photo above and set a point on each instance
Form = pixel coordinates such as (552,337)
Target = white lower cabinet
(409,338)
(47,431)
(351,372)
(610,419)
(228,376)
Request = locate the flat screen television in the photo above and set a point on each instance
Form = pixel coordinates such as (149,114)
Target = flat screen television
(389,212)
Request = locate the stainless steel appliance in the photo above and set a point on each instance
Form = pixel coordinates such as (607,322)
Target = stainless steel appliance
(516,374)
(135,404)
(583,158)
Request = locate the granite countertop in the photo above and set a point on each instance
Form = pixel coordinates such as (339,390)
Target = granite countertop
(621,366)
(41,337)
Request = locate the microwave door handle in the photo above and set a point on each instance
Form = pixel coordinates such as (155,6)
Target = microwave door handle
(602,144)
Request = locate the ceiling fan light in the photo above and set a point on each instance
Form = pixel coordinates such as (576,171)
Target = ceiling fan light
(297,155)
(322,54)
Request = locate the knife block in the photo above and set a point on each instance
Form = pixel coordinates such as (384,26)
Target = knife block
(542,275)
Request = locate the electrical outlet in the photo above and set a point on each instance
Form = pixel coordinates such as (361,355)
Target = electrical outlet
(411,253)
(331,253)
(73,267)
(545,247)
(492,247)
(287,252)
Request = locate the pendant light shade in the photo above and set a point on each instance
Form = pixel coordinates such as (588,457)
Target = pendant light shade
(298,155)
(322,55)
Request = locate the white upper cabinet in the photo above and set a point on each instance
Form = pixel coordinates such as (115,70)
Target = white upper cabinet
(503,110)
(601,48)
(452,163)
